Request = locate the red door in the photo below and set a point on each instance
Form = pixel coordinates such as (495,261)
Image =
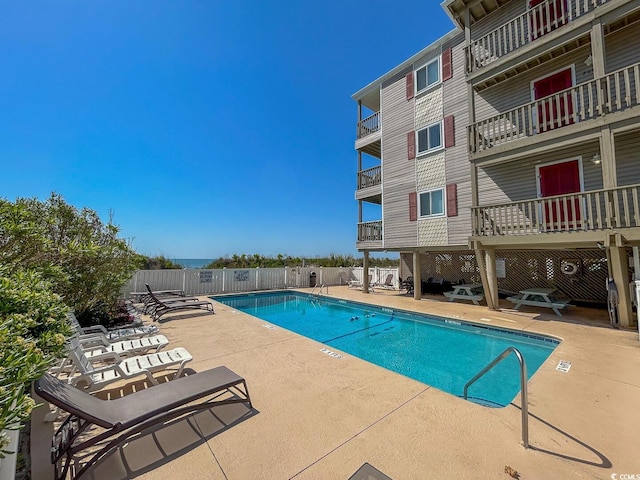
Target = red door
(554,112)
(560,179)
(547,16)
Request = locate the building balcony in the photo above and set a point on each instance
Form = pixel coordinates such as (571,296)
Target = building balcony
(592,211)
(526,28)
(612,96)
(369,125)
(368,134)
(370,177)
(370,234)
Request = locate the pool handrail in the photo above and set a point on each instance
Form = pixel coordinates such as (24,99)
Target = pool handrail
(524,399)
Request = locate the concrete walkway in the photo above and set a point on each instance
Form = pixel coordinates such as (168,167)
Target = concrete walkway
(319,417)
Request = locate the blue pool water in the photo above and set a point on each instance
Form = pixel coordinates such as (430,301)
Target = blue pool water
(443,353)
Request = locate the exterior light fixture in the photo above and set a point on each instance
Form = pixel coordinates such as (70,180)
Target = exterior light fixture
(596,159)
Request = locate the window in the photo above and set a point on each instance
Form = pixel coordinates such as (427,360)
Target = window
(428,75)
(432,203)
(430,138)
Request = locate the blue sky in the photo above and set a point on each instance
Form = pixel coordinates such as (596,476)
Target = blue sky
(208,128)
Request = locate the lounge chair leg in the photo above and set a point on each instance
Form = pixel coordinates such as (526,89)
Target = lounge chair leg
(151,378)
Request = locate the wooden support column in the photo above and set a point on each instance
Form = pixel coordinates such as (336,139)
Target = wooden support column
(597,48)
(365,272)
(492,278)
(467,43)
(475,198)
(480,259)
(620,273)
(607,147)
(608,158)
(417,276)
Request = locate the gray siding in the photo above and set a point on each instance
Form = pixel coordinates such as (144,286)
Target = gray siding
(517,91)
(627,154)
(515,181)
(456,158)
(501,16)
(617,52)
(398,173)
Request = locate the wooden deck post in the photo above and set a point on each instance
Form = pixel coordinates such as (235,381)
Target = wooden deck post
(492,279)
(482,267)
(365,272)
(620,273)
(417,276)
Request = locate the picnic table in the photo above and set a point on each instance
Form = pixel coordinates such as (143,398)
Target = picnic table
(539,297)
(469,291)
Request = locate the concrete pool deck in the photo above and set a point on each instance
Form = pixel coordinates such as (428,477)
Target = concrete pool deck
(320,417)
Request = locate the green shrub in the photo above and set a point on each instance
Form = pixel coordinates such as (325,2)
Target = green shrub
(33,331)
(52,256)
(84,258)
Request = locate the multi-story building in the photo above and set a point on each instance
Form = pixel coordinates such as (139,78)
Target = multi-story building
(507,151)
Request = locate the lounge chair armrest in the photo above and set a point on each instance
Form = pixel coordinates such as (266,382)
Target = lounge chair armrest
(106,368)
(93,341)
(83,336)
(101,357)
(76,379)
(94,329)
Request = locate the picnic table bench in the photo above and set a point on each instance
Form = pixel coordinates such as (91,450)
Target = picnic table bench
(539,297)
(471,291)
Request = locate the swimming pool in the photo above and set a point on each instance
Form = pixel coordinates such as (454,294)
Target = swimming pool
(444,353)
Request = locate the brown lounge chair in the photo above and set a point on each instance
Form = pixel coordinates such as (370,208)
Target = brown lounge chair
(158,308)
(126,417)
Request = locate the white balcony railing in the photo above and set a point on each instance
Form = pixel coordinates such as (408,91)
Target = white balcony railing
(582,211)
(370,231)
(370,177)
(531,25)
(368,125)
(614,92)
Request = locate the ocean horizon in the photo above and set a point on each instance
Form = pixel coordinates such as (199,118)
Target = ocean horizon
(192,262)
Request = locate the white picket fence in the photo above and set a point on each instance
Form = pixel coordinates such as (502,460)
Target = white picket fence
(232,280)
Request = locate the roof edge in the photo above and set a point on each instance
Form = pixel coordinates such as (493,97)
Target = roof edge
(432,46)
(445,6)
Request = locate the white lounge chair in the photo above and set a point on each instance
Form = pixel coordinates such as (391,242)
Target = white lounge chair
(85,375)
(115,334)
(387,284)
(359,284)
(98,348)
(97,344)
(124,348)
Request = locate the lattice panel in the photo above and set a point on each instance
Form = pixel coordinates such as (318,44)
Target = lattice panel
(429,108)
(584,280)
(432,231)
(430,172)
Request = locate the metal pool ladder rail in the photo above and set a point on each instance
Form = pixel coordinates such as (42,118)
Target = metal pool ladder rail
(524,400)
(320,291)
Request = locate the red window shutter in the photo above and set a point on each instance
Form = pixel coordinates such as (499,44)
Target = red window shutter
(449,132)
(411,145)
(409,78)
(452,200)
(413,206)
(447,66)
